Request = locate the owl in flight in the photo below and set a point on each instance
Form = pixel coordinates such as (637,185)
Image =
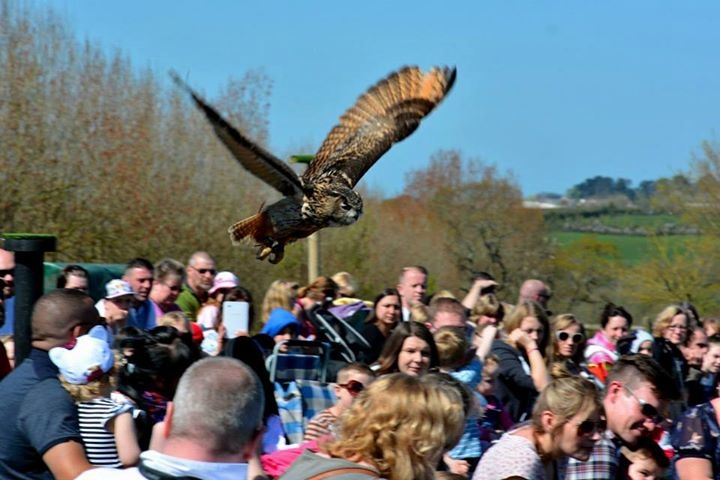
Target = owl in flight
(323,195)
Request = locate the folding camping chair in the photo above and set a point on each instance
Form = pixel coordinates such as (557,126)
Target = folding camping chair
(298,369)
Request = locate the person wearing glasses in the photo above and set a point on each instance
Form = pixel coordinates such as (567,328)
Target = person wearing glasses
(7,276)
(351,380)
(534,290)
(567,420)
(636,396)
(670,331)
(567,336)
(199,278)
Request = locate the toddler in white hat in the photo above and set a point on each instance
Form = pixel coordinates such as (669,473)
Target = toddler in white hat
(85,371)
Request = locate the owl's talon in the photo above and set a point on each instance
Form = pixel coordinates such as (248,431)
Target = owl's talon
(263,252)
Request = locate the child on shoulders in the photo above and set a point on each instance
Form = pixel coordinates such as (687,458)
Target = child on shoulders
(107,427)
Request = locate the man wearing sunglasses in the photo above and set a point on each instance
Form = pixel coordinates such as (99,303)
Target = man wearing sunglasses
(636,398)
(7,275)
(199,276)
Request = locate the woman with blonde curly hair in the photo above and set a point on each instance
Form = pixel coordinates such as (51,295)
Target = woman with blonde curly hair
(319,294)
(280,294)
(670,331)
(379,436)
(566,422)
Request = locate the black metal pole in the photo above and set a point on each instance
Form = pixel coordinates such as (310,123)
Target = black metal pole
(29,254)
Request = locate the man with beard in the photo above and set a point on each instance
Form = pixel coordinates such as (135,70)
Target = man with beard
(139,274)
(636,399)
(200,273)
(7,275)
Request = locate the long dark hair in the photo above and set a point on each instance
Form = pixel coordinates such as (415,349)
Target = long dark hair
(391,351)
(388,292)
(239,294)
(249,352)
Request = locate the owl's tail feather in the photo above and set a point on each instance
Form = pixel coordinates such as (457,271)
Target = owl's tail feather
(254,227)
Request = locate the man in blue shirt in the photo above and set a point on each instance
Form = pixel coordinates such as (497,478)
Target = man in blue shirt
(139,274)
(40,437)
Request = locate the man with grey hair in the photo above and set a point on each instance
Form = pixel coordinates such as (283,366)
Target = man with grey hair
(211,430)
(199,276)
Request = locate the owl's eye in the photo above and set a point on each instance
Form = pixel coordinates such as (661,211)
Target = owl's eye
(345,206)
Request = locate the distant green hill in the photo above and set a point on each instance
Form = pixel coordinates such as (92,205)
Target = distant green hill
(634,249)
(634,233)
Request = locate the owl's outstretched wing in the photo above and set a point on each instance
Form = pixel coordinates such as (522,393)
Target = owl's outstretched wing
(254,158)
(387,113)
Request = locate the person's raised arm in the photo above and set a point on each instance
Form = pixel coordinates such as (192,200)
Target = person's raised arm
(474,293)
(538,368)
(483,340)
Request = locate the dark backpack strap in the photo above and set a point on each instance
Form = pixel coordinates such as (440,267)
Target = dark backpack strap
(342,471)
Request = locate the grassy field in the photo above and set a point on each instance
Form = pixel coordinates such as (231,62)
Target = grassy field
(634,249)
(622,220)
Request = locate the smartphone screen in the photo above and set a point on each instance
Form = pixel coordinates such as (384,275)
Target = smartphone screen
(235,317)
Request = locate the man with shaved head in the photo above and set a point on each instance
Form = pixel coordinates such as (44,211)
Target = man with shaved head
(533,290)
(40,437)
(212,428)
(199,276)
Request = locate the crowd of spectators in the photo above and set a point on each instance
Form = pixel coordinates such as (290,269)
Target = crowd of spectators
(167,376)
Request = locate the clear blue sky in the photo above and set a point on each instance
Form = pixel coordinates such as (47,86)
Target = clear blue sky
(554,92)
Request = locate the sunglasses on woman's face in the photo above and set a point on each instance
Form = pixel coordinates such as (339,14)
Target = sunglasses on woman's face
(353,387)
(589,427)
(576,337)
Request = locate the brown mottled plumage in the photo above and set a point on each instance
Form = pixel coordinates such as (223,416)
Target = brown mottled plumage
(323,196)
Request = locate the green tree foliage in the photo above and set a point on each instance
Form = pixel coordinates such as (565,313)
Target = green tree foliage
(117,165)
(586,272)
(482,222)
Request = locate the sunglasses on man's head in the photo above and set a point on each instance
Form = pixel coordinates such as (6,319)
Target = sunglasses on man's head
(576,337)
(648,411)
(7,271)
(353,387)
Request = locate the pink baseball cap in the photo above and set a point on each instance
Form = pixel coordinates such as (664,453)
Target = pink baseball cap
(224,280)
